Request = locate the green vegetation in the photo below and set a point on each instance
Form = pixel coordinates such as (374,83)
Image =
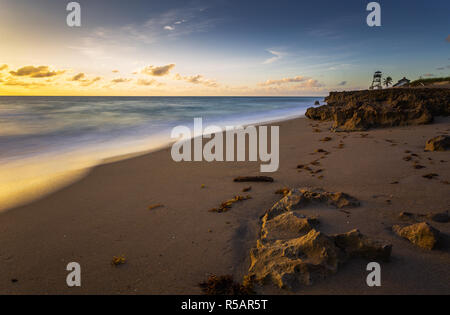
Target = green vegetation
(429,81)
(387,81)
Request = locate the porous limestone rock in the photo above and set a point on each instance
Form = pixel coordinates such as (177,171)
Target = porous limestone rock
(289,263)
(299,198)
(362,110)
(420,234)
(286,226)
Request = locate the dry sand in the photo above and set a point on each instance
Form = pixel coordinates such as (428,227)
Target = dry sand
(170,249)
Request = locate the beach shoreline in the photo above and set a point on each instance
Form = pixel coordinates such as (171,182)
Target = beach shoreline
(172,248)
(34,164)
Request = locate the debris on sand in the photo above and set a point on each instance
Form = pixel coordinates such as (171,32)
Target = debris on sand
(283,191)
(441,217)
(247,189)
(243,179)
(225,285)
(226,205)
(407,158)
(118,260)
(158,205)
(430,176)
(418,166)
(326,139)
(440,143)
(420,234)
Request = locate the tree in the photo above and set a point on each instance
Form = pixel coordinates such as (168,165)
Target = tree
(387,81)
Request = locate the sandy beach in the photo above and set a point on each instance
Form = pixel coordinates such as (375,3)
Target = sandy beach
(170,249)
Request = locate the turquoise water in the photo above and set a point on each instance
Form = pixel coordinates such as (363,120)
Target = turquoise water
(47,142)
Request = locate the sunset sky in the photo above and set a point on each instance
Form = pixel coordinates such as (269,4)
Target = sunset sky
(217,47)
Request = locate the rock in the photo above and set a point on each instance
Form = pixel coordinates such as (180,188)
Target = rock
(287,225)
(440,143)
(292,251)
(293,262)
(420,234)
(362,110)
(297,261)
(299,198)
(322,113)
(316,103)
(441,217)
(354,244)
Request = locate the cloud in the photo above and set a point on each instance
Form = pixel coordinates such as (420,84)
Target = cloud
(81,78)
(90,82)
(13,82)
(3,67)
(115,71)
(428,75)
(197,79)
(120,80)
(35,72)
(342,83)
(310,84)
(78,77)
(298,78)
(169,28)
(158,71)
(276,56)
(148,82)
(448,38)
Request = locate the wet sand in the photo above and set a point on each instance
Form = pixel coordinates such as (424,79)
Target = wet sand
(170,249)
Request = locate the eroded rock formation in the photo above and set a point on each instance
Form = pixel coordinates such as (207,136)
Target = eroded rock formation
(362,110)
(420,234)
(292,251)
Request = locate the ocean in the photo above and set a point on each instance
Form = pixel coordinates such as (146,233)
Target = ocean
(47,142)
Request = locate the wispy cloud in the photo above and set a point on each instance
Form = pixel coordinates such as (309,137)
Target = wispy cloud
(197,79)
(120,80)
(298,78)
(276,55)
(3,67)
(448,38)
(342,83)
(77,77)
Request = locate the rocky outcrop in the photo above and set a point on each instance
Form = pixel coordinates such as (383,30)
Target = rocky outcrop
(289,263)
(286,226)
(362,110)
(292,251)
(420,234)
(299,198)
(440,143)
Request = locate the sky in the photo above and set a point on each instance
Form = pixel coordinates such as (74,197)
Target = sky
(217,47)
